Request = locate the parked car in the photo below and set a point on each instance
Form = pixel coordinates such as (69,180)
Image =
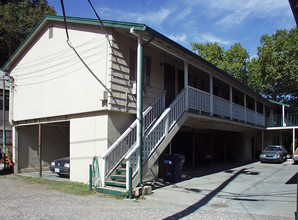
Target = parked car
(274,153)
(61,166)
(295,156)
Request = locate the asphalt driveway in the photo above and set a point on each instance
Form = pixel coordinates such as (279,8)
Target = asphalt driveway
(218,191)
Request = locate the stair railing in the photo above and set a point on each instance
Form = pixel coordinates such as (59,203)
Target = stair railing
(113,156)
(156,134)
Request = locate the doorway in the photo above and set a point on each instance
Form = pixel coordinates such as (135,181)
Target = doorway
(169,83)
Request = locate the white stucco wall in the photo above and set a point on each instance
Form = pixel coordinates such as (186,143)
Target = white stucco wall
(88,138)
(50,80)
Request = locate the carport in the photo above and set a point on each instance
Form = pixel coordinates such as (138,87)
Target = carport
(36,145)
(204,139)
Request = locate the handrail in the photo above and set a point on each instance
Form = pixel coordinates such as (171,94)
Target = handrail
(134,123)
(113,156)
(154,136)
(128,155)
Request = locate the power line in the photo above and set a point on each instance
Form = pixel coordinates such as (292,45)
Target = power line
(100,21)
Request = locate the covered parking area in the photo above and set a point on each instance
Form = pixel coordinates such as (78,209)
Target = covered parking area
(204,139)
(37,145)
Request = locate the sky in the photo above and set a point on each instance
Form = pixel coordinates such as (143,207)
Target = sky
(194,21)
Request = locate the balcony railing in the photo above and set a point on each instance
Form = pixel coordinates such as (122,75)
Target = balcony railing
(290,119)
(201,101)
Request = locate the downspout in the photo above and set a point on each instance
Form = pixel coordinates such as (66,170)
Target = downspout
(140,99)
(140,105)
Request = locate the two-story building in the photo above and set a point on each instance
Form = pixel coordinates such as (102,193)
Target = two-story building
(111,90)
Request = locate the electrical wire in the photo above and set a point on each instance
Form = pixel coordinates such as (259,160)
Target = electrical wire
(65,23)
(78,55)
(100,21)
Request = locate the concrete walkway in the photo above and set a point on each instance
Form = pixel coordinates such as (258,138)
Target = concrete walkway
(255,188)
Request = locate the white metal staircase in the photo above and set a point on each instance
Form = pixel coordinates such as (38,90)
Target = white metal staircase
(114,156)
(160,126)
(124,153)
(158,136)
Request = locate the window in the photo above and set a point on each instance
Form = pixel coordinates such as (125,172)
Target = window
(6,101)
(8,137)
(132,65)
(133,68)
(147,64)
(51,32)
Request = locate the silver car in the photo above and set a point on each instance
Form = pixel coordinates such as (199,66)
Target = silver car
(274,153)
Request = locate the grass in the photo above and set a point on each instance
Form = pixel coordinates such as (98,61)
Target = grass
(66,187)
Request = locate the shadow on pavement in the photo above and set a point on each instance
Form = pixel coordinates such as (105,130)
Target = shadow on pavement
(204,170)
(206,199)
(293,179)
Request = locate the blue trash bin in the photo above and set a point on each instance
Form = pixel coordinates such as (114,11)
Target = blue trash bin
(173,164)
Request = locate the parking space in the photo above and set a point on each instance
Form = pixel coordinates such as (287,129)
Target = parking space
(46,175)
(253,188)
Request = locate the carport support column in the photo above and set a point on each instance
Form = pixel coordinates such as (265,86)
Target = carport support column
(140,105)
(40,149)
(15,149)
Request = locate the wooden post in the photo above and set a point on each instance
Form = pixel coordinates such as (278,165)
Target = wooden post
(40,149)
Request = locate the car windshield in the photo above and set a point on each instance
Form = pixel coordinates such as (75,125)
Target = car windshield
(273,148)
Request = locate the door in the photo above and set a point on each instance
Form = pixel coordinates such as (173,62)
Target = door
(180,80)
(169,83)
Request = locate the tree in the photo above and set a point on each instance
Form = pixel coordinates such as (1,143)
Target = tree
(211,52)
(17,20)
(233,61)
(274,72)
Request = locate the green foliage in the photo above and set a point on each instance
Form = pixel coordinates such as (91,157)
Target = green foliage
(17,20)
(233,61)
(211,52)
(274,72)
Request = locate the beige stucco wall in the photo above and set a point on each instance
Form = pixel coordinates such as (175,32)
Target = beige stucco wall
(88,138)
(50,80)
(117,123)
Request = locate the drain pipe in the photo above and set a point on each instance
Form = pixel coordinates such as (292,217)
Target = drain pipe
(140,99)
(140,105)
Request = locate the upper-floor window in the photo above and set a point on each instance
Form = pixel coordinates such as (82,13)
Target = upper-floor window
(133,68)
(51,31)
(132,65)
(6,102)
(250,103)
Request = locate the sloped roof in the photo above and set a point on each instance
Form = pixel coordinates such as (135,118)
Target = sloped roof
(122,25)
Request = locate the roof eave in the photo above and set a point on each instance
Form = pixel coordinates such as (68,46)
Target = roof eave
(107,23)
